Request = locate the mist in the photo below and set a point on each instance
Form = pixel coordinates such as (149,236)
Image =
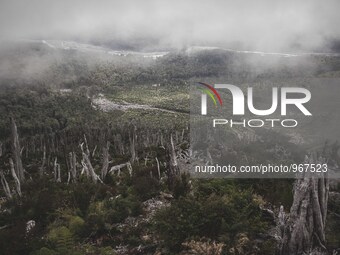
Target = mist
(283,26)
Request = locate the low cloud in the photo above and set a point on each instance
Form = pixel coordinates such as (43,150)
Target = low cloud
(266,25)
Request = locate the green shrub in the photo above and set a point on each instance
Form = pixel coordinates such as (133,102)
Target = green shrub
(44,251)
(62,239)
(145,187)
(181,185)
(217,212)
(181,220)
(106,251)
(76,225)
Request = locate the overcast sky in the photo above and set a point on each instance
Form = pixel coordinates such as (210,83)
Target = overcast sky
(267,25)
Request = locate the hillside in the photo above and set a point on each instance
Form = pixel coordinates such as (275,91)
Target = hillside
(104,140)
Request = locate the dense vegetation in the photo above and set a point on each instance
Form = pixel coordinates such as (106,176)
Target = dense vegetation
(157,208)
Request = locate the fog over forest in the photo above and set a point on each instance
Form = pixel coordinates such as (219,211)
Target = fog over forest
(266,25)
(105,150)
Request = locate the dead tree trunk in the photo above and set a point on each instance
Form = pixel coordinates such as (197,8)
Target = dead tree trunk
(133,137)
(106,161)
(85,169)
(117,168)
(56,170)
(304,231)
(158,169)
(5,185)
(87,161)
(16,151)
(173,158)
(42,167)
(16,179)
(73,165)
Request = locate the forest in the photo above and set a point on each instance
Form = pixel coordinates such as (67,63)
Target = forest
(95,154)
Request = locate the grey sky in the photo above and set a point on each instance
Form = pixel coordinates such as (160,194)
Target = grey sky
(263,24)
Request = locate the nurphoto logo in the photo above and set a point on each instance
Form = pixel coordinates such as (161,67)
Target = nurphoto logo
(285,94)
